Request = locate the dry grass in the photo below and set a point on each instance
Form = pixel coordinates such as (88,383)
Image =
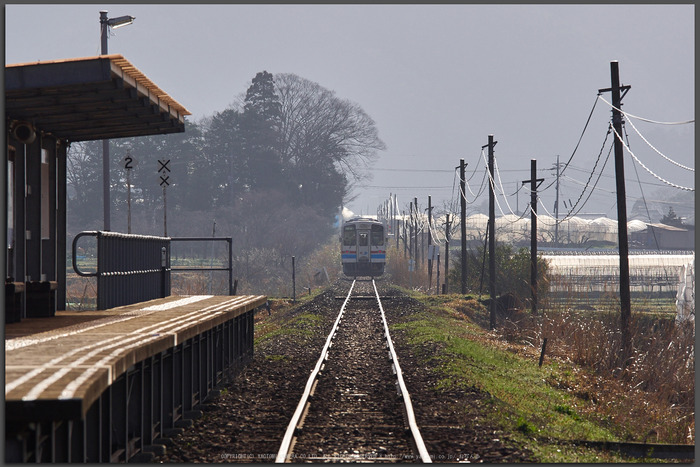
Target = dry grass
(651,394)
(81,292)
(397,271)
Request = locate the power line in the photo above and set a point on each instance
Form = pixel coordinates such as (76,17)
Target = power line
(647,169)
(577,144)
(644,119)
(659,152)
(600,153)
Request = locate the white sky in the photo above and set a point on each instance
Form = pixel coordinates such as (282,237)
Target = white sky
(437,80)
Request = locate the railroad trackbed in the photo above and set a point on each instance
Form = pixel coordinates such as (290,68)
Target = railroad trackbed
(257,411)
(356,407)
(352,411)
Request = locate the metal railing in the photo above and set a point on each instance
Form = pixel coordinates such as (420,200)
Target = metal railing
(130,268)
(229,240)
(135,268)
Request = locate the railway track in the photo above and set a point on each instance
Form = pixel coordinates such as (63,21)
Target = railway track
(355,406)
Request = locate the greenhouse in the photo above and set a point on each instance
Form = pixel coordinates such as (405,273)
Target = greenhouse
(649,273)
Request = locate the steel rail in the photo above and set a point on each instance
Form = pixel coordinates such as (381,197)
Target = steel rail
(283,453)
(411,418)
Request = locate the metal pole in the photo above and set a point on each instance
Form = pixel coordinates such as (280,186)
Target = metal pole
(231,290)
(492,237)
(128,200)
(294,281)
(463,219)
(211,258)
(165,214)
(104,29)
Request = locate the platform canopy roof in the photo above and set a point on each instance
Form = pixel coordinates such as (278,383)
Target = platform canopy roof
(81,99)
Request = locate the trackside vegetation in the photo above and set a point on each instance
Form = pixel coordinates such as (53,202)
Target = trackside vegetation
(547,409)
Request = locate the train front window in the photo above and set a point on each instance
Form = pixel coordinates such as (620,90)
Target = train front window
(349,235)
(377,235)
(363,239)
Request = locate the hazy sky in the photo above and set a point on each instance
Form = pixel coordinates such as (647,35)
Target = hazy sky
(437,80)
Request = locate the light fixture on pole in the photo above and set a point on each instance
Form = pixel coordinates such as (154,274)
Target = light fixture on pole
(105,24)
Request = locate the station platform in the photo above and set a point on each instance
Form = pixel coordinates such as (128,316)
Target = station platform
(105,386)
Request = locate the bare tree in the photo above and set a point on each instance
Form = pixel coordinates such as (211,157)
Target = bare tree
(324,133)
(83,179)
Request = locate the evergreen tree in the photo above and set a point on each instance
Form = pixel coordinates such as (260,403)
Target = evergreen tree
(671,218)
(259,128)
(223,166)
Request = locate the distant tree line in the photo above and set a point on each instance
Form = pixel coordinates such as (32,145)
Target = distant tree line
(271,171)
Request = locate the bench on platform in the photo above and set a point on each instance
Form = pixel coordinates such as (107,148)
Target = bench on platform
(41,298)
(13,301)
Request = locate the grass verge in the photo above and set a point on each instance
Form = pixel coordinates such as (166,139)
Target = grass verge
(528,402)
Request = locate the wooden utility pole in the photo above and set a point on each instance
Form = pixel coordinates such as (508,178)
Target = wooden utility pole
(534,184)
(463,222)
(625,301)
(492,236)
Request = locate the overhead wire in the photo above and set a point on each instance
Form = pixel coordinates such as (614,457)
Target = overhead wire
(579,169)
(500,182)
(495,198)
(644,119)
(659,152)
(583,132)
(595,185)
(680,187)
(600,153)
(480,190)
(641,190)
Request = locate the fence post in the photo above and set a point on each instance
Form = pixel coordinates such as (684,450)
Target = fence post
(294,282)
(163,264)
(231,289)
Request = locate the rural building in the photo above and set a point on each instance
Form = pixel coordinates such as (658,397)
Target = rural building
(665,237)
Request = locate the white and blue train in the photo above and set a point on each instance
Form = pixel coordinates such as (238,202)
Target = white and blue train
(363,247)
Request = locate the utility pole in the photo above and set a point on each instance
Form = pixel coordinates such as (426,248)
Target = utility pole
(396,222)
(437,279)
(410,231)
(463,222)
(447,254)
(492,236)
(556,209)
(625,301)
(534,184)
(415,232)
(430,242)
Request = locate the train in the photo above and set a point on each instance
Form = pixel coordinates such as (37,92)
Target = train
(363,247)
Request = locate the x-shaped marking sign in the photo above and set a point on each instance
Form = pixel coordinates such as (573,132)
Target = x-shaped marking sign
(164,166)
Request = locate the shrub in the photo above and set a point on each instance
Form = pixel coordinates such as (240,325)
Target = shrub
(512,273)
